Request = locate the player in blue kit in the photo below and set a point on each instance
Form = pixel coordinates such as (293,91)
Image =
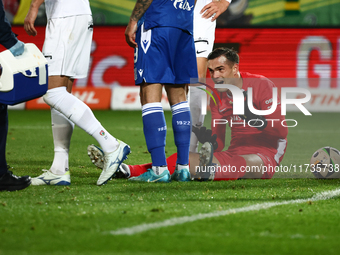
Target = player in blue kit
(161,33)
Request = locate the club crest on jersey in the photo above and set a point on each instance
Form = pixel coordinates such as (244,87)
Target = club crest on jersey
(182,4)
(102,133)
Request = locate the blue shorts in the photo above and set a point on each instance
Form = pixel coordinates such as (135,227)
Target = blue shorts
(164,55)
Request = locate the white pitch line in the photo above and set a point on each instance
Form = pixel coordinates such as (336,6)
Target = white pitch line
(181,220)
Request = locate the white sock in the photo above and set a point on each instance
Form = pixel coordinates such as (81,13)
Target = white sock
(179,167)
(197,119)
(159,169)
(62,129)
(102,137)
(80,114)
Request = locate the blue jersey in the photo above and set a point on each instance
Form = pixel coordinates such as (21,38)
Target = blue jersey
(170,13)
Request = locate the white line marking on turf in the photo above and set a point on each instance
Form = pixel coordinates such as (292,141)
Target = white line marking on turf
(181,220)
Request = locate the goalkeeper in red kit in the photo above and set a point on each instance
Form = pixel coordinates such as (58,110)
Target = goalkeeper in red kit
(258,143)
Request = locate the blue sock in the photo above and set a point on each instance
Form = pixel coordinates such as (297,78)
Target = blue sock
(155,132)
(181,125)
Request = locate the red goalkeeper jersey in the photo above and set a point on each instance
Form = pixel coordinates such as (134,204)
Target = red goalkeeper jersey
(246,139)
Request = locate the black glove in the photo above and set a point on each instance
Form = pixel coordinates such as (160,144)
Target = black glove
(205,135)
(257,121)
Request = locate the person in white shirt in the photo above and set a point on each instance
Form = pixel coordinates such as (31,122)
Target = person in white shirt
(67,48)
(205,14)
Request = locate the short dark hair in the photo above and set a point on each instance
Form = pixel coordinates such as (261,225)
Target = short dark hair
(230,54)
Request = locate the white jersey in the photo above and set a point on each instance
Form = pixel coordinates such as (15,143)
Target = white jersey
(66,8)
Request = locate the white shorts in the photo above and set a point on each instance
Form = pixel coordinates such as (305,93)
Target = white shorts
(67,45)
(204,31)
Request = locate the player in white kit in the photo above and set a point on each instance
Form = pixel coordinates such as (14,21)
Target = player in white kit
(205,14)
(67,49)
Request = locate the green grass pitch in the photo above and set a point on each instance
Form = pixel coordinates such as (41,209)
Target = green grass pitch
(81,218)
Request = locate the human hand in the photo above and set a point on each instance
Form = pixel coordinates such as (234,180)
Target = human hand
(17,49)
(214,9)
(205,135)
(29,22)
(130,34)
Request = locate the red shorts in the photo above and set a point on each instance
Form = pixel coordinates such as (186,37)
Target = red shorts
(269,162)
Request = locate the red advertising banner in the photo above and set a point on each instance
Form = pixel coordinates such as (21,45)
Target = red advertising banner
(275,53)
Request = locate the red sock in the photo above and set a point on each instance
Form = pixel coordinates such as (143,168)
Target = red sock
(232,171)
(136,170)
